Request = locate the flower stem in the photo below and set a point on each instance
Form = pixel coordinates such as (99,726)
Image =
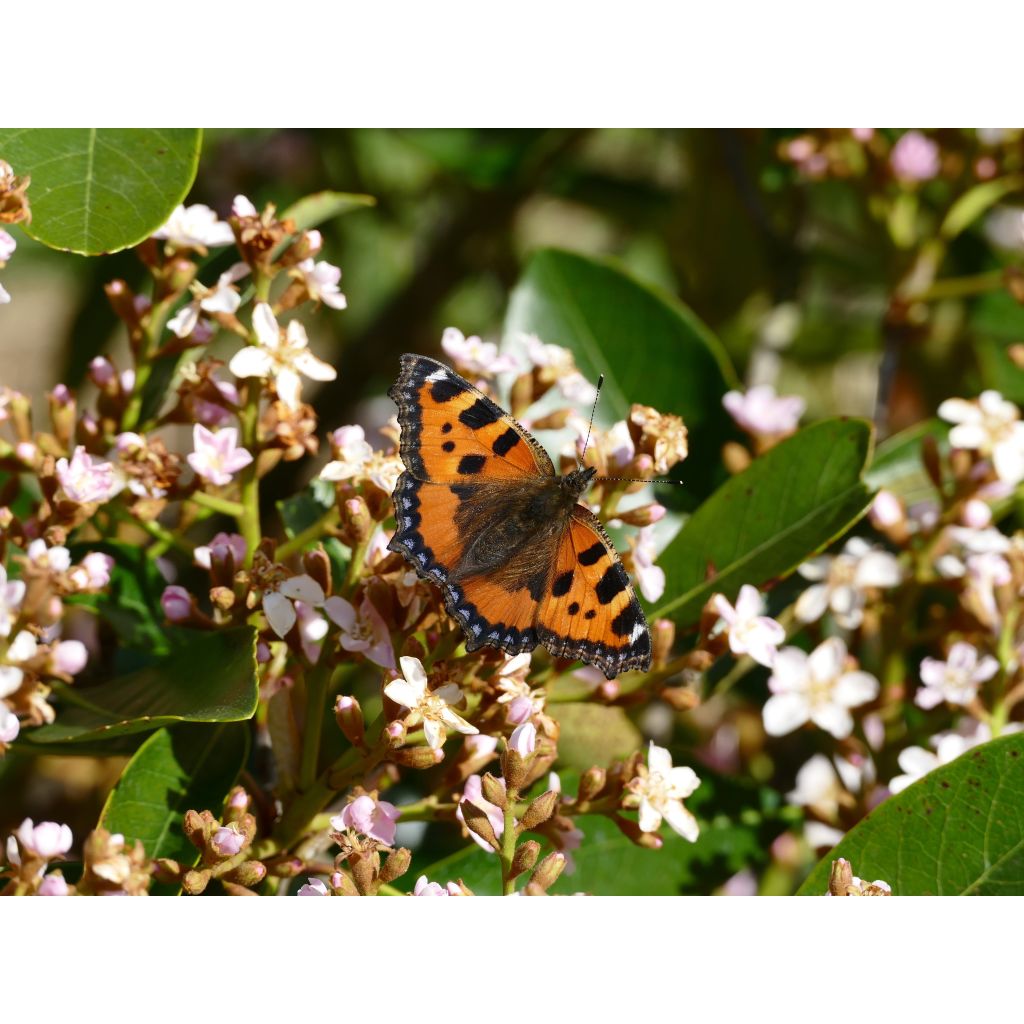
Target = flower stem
(311,533)
(508,845)
(317,681)
(215,504)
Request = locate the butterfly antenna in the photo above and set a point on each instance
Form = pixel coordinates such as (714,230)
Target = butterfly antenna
(600,381)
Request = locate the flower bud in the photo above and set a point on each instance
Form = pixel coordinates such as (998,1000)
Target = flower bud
(682,698)
(548,870)
(195,882)
(221,597)
(646,515)
(103,375)
(840,878)
(249,873)
(318,565)
(395,734)
(477,822)
(197,826)
(524,739)
(177,604)
(236,804)
(493,790)
(167,870)
(343,885)
(227,840)
(233,889)
(663,639)
(349,716)
(525,857)
(592,782)
(396,865)
(356,521)
(631,830)
(976,514)
(417,757)
(513,769)
(539,811)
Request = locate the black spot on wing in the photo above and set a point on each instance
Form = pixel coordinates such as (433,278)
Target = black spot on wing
(449,446)
(482,413)
(470,464)
(446,429)
(506,442)
(535,584)
(613,583)
(630,617)
(574,607)
(562,584)
(593,554)
(590,614)
(462,491)
(445,389)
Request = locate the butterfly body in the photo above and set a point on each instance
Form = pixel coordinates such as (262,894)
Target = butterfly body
(481,512)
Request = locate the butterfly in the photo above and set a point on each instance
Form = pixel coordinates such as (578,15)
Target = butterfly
(481,512)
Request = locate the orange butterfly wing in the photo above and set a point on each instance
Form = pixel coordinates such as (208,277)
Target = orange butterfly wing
(459,447)
(591,611)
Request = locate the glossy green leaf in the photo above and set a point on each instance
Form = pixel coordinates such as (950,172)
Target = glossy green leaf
(978,200)
(765,521)
(316,209)
(187,767)
(210,678)
(897,464)
(97,190)
(959,831)
(738,825)
(649,346)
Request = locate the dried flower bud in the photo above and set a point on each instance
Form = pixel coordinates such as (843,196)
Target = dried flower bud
(592,782)
(525,857)
(493,790)
(318,565)
(167,871)
(662,436)
(195,882)
(682,698)
(356,521)
(396,865)
(539,811)
(663,639)
(477,822)
(417,757)
(548,870)
(513,769)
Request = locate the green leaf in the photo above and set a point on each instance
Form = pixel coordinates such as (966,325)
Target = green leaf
(897,464)
(762,523)
(958,831)
(97,190)
(593,734)
(649,346)
(978,200)
(738,825)
(187,767)
(302,510)
(313,210)
(211,679)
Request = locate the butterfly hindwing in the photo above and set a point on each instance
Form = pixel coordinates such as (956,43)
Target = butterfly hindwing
(453,432)
(591,611)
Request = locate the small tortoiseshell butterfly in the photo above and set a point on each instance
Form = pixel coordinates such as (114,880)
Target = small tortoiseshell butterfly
(481,512)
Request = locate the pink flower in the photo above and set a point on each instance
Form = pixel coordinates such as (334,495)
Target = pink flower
(761,413)
(10,726)
(217,456)
(86,481)
(373,818)
(955,680)
(278,607)
(650,577)
(523,739)
(425,888)
(228,840)
(473,793)
(750,632)
(176,603)
(7,246)
(11,596)
(321,280)
(314,887)
(223,546)
(364,631)
(915,157)
(53,885)
(45,841)
(475,356)
(93,573)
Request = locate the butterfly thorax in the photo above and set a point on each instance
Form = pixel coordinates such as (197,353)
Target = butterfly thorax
(505,526)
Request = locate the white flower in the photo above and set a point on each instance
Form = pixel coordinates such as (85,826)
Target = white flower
(991,426)
(559,367)
(364,631)
(222,298)
(281,356)
(241,206)
(9,724)
(659,792)
(321,280)
(432,707)
(823,786)
(649,577)
(278,607)
(955,680)
(815,688)
(750,632)
(195,227)
(761,412)
(523,702)
(22,648)
(55,559)
(475,356)
(86,481)
(354,452)
(11,596)
(7,246)
(217,456)
(844,578)
(917,762)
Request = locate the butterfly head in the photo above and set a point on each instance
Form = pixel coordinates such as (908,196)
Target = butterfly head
(578,480)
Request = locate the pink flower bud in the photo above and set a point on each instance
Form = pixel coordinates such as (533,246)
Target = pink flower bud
(102,372)
(976,514)
(177,604)
(69,657)
(315,242)
(314,887)
(53,885)
(886,510)
(61,395)
(524,739)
